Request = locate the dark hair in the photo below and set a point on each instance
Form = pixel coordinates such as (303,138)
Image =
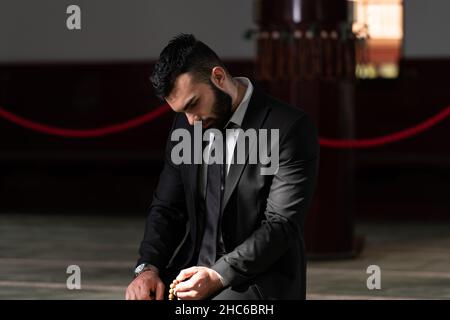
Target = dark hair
(184,53)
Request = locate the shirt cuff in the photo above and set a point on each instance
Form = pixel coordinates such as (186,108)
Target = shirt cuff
(222,280)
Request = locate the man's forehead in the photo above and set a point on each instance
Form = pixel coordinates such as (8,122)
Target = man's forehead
(182,88)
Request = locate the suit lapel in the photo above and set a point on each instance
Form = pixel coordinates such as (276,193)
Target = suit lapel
(253,119)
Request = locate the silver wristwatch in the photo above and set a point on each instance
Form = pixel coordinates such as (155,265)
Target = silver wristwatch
(144,267)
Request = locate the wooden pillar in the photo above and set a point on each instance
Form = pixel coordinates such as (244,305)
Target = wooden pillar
(306,56)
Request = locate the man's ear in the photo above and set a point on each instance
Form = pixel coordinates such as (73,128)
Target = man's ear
(218,77)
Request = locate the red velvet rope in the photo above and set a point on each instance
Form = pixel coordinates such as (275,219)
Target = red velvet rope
(388,138)
(140,120)
(83,133)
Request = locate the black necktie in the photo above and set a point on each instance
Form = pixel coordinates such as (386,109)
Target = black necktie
(215,185)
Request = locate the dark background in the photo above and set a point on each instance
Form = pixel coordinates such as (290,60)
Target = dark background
(116,173)
(99,77)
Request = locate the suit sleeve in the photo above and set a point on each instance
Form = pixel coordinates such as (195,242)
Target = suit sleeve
(166,219)
(287,204)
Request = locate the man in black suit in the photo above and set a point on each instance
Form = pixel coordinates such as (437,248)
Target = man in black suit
(226,230)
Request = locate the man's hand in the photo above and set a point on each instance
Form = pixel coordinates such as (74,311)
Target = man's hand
(146,286)
(202,282)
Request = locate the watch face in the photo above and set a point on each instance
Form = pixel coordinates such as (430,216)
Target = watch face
(139,268)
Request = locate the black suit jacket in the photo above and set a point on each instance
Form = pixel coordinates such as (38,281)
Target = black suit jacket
(263,215)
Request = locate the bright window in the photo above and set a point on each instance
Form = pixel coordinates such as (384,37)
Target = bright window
(380,22)
(383,18)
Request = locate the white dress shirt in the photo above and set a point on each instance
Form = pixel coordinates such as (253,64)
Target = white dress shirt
(231,134)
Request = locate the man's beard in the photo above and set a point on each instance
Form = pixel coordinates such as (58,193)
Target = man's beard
(221,108)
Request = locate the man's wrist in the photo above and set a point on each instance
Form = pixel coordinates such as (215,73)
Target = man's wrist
(144,267)
(221,279)
(225,271)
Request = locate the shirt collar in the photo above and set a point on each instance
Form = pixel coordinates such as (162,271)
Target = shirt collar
(239,113)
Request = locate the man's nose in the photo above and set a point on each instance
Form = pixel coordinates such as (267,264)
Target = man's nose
(192,118)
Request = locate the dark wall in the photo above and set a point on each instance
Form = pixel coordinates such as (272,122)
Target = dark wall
(114,173)
(42,172)
(408,179)
(117,173)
